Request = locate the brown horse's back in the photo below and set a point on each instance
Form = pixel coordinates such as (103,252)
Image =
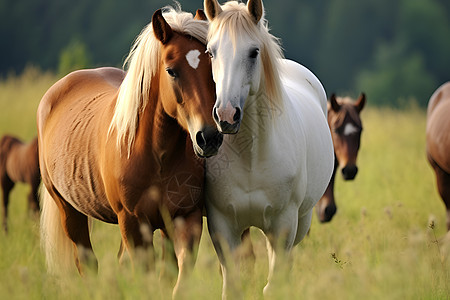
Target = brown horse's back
(438,127)
(73,119)
(78,85)
(20,161)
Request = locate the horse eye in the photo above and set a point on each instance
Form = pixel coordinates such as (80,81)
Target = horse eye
(209,53)
(171,72)
(254,53)
(337,130)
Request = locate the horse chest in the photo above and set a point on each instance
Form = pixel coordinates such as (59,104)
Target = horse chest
(177,190)
(250,193)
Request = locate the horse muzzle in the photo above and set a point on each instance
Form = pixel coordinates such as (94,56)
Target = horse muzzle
(325,214)
(349,172)
(207,142)
(227,119)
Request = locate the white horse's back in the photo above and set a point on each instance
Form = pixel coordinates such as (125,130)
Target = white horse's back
(299,77)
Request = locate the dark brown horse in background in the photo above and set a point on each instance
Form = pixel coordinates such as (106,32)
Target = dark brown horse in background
(438,141)
(345,125)
(122,148)
(19,162)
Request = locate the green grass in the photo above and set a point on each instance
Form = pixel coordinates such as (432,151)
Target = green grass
(378,246)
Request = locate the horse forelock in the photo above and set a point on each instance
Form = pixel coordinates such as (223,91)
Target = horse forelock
(142,63)
(237,22)
(347,112)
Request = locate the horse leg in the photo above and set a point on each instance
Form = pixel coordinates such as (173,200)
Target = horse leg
(136,238)
(443,184)
(121,250)
(7,186)
(226,241)
(187,233)
(76,226)
(281,237)
(168,254)
(326,207)
(247,252)
(33,201)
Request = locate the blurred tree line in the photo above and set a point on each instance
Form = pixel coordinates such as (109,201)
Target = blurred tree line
(392,50)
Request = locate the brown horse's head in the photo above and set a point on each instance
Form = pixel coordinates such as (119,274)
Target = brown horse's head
(345,124)
(186,84)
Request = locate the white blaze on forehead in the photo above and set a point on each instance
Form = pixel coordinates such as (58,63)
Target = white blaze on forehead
(350,129)
(193,58)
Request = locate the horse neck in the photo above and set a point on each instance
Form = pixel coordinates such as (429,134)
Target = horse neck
(158,133)
(257,125)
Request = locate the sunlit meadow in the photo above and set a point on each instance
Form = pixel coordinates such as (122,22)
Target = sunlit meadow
(385,242)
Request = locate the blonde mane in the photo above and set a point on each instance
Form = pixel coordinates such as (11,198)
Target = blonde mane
(236,20)
(143,63)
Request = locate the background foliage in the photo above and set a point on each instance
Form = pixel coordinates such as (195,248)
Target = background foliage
(392,50)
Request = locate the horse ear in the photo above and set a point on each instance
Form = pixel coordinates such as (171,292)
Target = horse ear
(334,104)
(360,102)
(200,15)
(162,30)
(255,9)
(212,9)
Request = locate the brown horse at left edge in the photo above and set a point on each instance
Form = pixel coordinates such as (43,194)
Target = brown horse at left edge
(19,162)
(438,142)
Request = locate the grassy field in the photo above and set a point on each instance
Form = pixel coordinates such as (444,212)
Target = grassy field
(378,246)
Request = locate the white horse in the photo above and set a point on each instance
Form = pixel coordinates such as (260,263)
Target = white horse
(277,155)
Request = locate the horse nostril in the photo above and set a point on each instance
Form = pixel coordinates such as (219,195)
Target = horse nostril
(208,140)
(237,115)
(200,139)
(329,212)
(349,172)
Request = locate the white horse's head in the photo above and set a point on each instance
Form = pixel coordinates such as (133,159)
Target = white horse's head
(241,50)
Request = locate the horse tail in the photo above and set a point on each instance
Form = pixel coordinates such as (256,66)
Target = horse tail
(58,248)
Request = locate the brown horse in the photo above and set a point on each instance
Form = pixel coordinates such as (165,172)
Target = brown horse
(115,146)
(19,162)
(438,141)
(345,125)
